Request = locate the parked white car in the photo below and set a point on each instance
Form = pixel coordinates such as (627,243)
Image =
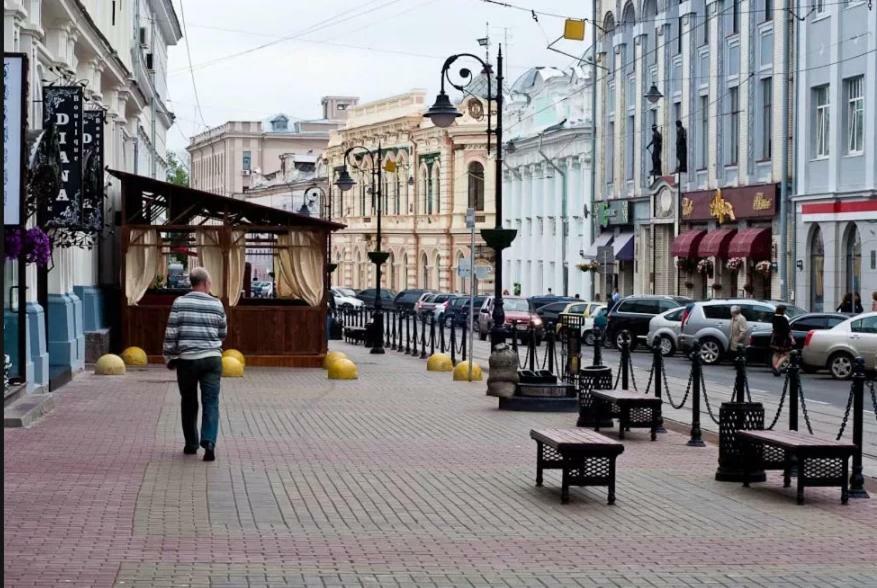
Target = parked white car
(346,298)
(836,348)
(665,328)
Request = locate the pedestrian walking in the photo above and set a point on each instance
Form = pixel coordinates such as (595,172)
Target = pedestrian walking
(857,304)
(615,296)
(549,292)
(193,346)
(781,340)
(739,329)
(873,301)
(846,305)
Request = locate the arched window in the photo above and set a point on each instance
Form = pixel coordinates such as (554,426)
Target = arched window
(853,254)
(396,191)
(424,269)
(403,272)
(817,265)
(435,269)
(391,263)
(476,185)
(437,170)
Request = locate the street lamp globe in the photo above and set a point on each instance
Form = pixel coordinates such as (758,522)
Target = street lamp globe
(442,113)
(344,181)
(654,94)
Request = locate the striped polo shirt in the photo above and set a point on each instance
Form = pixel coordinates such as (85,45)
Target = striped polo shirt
(195,327)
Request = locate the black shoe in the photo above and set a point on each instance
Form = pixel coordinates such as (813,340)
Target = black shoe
(190,449)
(208,452)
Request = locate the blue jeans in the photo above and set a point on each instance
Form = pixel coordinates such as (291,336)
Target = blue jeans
(190,373)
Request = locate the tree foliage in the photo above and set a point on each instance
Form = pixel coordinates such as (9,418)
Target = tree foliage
(176,171)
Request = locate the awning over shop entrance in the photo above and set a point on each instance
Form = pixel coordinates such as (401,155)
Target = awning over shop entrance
(685,244)
(715,243)
(602,240)
(623,246)
(752,243)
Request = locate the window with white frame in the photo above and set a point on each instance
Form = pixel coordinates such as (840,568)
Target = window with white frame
(819,7)
(628,147)
(734,125)
(610,152)
(822,120)
(766,123)
(704,112)
(855,97)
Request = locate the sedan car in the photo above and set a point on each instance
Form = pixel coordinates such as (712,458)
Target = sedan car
(344,299)
(759,342)
(836,348)
(665,328)
(518,311)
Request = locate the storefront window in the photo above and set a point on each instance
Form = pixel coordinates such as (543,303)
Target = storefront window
(817,263)
(11,317)
(853,252)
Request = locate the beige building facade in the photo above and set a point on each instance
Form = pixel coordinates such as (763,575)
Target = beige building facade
(438,174)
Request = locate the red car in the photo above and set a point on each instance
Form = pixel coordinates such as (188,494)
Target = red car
(518,311)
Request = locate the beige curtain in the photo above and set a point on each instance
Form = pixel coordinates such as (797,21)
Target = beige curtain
(210,258)
(237,259)
(141,263)
(300,266)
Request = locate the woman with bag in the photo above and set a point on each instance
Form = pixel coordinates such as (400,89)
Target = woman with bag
(781,341)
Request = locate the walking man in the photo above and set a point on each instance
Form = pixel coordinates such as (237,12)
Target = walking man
(193,346)
(739,329)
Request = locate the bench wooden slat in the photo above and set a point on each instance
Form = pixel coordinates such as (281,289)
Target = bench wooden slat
(625,395)
(562,438)
(795,439)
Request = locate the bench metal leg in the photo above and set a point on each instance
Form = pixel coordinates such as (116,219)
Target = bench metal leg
(801,480)
(787,468)
(655,424)
(539,464)
(746,449)
(597,407)
(845,485)
(611,498)
(564,484)
(623,418)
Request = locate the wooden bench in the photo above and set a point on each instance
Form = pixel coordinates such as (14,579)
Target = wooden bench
(586,458)
(354,334)
(632,409)
(820,461)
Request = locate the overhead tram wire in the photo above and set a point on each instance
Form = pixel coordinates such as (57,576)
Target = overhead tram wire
(191,71)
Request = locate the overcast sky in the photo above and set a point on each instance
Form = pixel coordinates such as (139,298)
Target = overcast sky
(367,48)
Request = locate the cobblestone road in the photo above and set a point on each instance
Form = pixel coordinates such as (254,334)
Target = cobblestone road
(401,478)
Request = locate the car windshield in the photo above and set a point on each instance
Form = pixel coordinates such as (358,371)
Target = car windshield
(516,304)
(346,291)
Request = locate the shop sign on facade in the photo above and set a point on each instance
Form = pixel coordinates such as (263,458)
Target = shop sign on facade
(62,108)
(93,180)
(729,204)
(613,212)
(14,124)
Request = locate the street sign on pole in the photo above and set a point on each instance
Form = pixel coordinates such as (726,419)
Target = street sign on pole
(470,218)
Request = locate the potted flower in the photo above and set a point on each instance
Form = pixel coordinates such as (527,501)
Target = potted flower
(683,263)
(34,244)
(764,267)
(589,266)
(716,287)
(705,266)
(689,285)
(735,263)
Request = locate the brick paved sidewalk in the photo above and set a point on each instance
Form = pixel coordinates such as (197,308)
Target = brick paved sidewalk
(402,478)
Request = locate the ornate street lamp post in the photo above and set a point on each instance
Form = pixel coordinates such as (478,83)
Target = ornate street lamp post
(377,257)
(443,114)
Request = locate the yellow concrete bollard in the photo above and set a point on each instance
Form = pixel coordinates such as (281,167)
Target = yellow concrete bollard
(332,357)
(109,365)
(232,368)
(439,362)
(134,356)
(343,369)
(235,354)
(461,372)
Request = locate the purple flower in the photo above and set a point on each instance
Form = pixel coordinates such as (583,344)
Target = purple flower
(13,243)
(37,247)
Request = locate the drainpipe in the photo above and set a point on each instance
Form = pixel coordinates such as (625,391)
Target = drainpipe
(784,163)
(563,207)
(794,268)
(593,170)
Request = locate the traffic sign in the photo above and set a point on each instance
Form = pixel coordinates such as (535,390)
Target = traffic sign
(470,218)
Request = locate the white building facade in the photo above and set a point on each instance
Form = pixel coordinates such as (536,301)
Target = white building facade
(546,182)
(836,187)
(117,52)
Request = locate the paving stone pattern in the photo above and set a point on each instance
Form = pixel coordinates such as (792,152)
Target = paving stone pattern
(402,478)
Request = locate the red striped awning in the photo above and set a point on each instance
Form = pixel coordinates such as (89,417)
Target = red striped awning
(752,243)
(685,244)
(715,244)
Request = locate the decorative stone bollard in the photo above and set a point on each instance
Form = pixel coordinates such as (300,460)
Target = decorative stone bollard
(503,378)
(235,354)
(232,368)
(461,372)
(109,365)
(343,369)
(439,362)
(332,357)
(134,356)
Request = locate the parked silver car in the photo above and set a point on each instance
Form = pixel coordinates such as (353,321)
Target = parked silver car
(836,348)
(665,328)
(709,322)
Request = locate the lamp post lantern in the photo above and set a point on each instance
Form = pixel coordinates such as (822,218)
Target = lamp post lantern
(377,257)
(442,114)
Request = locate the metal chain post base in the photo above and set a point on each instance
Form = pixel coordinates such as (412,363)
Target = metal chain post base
(857,480)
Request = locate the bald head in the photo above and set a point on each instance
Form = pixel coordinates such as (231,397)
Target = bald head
(200,280)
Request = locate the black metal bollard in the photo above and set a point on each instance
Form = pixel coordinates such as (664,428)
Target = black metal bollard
(407,332)
(857,480)
(465,342)
(442,336)
(515,336)
(598,347)
(531,348)
(389,316)
(657,378)
(549,343)
(740,379)
(696,439)
(423,337)
(432,337)
(453,344)
(794,388)
(625,361)
(414,335)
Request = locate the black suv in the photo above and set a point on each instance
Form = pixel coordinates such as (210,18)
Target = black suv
(632,315)
(457,312)
(369,294)
(406,299)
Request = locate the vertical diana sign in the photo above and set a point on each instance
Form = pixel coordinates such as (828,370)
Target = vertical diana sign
(14,122)
(62,107)
(93,170)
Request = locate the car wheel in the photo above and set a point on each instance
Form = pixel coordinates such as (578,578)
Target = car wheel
(588,338)
(841,366)
(668,348)
(710,351)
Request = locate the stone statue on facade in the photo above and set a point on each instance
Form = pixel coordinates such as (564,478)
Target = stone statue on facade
(657,144)
(681,148)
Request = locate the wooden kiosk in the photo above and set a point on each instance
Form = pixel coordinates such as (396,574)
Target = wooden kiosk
(163,223)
